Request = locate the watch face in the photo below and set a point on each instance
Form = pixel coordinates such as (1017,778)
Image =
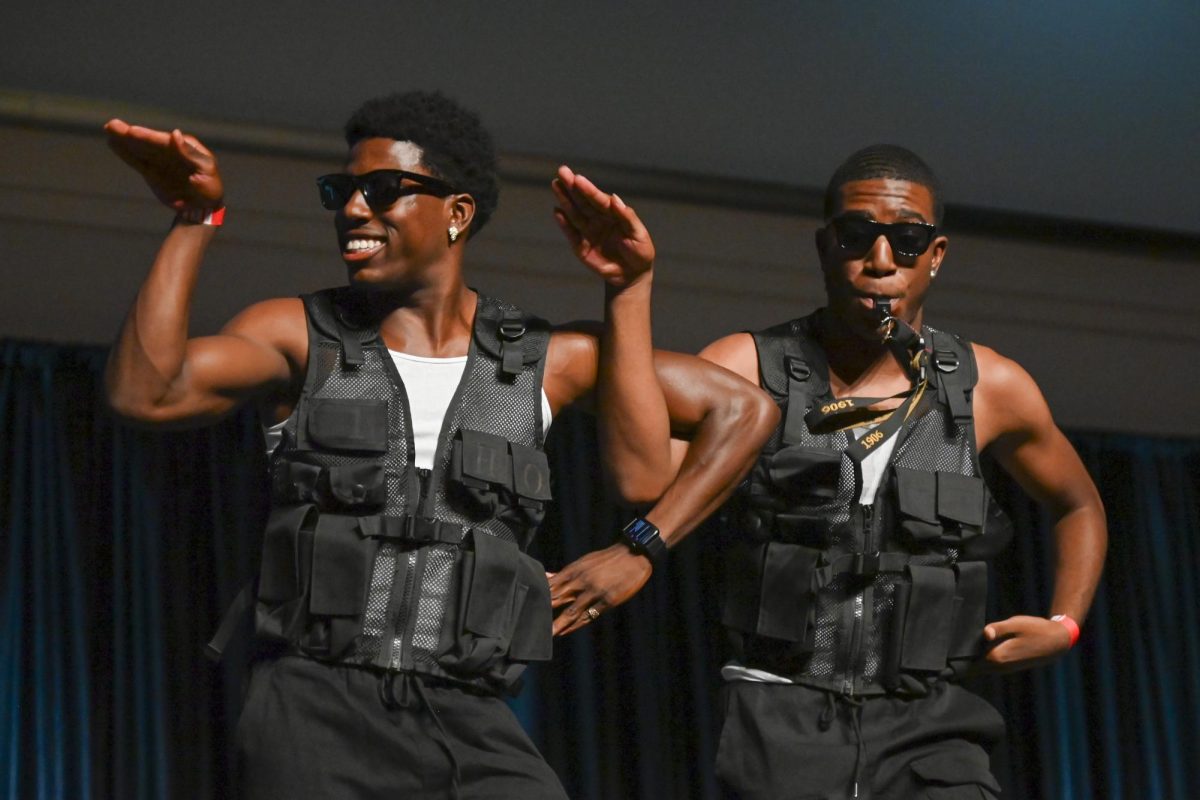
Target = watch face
(641,531)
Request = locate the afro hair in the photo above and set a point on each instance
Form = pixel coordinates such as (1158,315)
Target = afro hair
(455,145)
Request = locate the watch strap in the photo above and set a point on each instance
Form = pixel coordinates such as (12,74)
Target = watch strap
(643,537)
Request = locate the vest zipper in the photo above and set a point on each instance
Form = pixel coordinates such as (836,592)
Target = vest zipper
(856,634)
(412,564)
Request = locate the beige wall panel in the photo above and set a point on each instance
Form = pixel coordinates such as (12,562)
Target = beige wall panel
(1111,336)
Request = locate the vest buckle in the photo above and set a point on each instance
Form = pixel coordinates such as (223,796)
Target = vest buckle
(866,565)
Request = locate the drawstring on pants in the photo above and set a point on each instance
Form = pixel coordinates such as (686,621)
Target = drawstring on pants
(854,705)
(389,699)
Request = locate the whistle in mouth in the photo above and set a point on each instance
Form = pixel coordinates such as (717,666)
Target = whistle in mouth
(887,323)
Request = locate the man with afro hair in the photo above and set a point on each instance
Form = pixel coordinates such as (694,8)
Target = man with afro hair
(855,594)
(396,603)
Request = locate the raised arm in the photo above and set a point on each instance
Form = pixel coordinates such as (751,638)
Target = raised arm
(1015,426)
(155,374)
(721,420)
(633,423)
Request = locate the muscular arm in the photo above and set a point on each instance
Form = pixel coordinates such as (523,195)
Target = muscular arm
(633,421)
(1014,425)
(155,374)
(726,419)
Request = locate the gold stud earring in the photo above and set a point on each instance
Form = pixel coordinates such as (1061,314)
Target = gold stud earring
(453,234)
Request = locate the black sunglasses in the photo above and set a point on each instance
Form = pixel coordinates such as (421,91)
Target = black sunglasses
(380,188)
(857,235)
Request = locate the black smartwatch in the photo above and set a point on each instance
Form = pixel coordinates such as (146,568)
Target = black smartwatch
(642,537)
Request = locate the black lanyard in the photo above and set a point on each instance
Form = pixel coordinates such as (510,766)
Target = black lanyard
(850,412)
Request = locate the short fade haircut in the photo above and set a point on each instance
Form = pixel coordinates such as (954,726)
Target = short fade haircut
(454,144)
(883,161)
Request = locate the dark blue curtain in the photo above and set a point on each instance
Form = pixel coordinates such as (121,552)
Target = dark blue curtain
(122,548)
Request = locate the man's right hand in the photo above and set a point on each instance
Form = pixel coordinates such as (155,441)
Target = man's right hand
(180,170)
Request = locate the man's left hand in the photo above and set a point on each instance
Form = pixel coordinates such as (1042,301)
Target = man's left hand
(604,233)
(1022,642)
(600,580)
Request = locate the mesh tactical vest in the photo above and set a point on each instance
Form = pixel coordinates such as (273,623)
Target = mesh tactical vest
(861,599)
(369,560)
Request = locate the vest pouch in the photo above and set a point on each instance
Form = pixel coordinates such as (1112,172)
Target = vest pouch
(533,639)
(531,487)
(961,504)
(769,592)
(997,533)
(295,482)
(281,610)
(971,588)
(334,423)
(928,624)
(341,563)
(501,612)
(357,486)
(916,502)
(480,472)
(809,475)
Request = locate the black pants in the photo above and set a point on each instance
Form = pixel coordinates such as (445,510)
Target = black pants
(786,742)
(309,730)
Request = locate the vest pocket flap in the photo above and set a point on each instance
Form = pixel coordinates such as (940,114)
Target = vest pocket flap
(917,494)
(967,641)
(493,581)
(533,639)
(280,578)
(961,767)
(358,484)
(296,482)
(928,625)
(484,457)
(349,424)
(811,471)
(341,559)
(786,591)
(960,498)
(531,473)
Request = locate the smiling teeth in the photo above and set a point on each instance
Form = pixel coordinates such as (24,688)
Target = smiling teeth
(362,244)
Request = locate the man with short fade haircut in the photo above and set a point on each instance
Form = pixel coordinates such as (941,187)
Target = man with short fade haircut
(856,590)
(396,603)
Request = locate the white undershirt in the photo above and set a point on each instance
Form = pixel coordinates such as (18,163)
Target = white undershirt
(430,384)
(872,469)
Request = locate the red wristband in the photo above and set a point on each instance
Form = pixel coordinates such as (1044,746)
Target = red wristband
(199,216)
(1071,625)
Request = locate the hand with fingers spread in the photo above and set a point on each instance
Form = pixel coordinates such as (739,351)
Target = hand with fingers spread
(605,234)
(180,170)
(1023,642)
(591,585)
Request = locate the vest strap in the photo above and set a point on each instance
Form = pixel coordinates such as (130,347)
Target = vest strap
(412,530)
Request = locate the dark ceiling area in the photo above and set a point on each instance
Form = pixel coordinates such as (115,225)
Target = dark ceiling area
(1086,112)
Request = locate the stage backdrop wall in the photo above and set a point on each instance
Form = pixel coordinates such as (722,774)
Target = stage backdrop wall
(121,548)
(1103,319)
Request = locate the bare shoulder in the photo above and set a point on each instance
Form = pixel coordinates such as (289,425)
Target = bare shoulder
(1007,398)
(736,353)
(571,361)
(278,323)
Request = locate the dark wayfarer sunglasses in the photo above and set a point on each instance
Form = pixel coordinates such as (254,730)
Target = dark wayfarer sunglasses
(857,235)
(380,188)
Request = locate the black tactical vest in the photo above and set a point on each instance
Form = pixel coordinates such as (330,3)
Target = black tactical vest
(368,560)
(861,599)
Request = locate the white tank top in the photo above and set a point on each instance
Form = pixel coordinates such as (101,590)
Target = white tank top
(430,384)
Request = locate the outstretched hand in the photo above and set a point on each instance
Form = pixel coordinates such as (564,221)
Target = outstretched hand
(1022,642)
(605,234)
(600,580)
(180,170)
